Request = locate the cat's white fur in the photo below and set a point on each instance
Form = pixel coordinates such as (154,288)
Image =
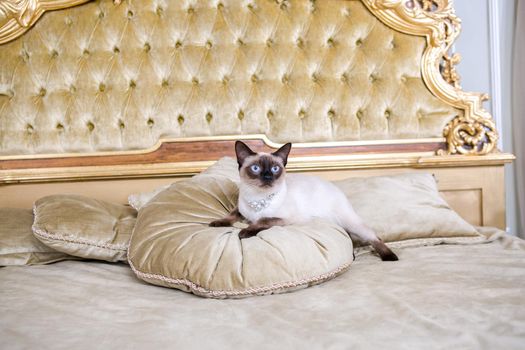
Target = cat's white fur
(299,198)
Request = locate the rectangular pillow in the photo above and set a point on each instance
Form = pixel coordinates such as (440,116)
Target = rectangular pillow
(407,207)
(84,227)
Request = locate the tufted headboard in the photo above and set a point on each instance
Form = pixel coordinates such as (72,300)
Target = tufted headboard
(162,88)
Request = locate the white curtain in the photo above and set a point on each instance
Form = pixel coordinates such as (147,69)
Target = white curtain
(518,112)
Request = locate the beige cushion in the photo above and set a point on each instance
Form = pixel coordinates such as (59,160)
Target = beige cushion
(173,246)
(84,227)
(407,207)
(18,246)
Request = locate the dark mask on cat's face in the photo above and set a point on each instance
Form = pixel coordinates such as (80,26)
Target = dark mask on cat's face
(261,169)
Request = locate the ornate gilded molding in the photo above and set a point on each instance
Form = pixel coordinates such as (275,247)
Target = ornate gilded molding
(17,16)
(474,133)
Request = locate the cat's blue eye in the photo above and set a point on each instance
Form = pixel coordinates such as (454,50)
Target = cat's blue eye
(275,169)
(255,168)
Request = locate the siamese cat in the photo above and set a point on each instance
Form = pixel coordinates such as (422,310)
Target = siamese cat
(269,197)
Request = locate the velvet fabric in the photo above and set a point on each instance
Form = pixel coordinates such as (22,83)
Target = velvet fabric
(100,77)
(407,207)
(84,227)
(172,245)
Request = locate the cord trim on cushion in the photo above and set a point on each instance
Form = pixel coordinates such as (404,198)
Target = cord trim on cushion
(250,291)
(44,234)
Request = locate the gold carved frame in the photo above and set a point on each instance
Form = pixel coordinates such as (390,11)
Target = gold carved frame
(472,134)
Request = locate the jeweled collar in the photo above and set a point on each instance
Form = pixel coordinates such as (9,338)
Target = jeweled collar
(261,204)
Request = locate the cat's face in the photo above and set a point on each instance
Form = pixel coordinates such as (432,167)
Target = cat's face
(263,170)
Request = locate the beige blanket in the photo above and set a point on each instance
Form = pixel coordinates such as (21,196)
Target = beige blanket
(445,296)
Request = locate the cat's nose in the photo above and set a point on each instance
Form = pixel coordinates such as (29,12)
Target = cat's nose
(267,176)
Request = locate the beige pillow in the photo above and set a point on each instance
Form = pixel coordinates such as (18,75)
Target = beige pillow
(173,246)
(226,167)
(407,207)
(18,246)
(84,227)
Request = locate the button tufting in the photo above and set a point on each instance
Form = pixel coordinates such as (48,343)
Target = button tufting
(24,55)
(229,76)
(190,10)
(312,6)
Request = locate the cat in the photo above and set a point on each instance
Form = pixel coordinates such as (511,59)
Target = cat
(269,197)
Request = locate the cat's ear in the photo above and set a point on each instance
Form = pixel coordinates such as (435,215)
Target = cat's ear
(283,152)
(242,151)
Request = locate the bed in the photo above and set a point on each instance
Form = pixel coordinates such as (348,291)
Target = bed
(106,99)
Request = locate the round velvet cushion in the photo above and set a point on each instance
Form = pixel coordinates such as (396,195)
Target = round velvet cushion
(173,246)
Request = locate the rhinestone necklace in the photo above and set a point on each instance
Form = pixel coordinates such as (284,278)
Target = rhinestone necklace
(261,204)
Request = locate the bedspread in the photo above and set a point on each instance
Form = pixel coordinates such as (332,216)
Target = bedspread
(443,296)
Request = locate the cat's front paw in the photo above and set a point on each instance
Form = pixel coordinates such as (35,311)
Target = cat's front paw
(247,233)
(220,223)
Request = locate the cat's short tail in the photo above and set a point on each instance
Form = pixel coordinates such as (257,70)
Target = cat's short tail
(384,252)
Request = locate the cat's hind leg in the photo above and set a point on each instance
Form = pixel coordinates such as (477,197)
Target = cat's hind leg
(357,230)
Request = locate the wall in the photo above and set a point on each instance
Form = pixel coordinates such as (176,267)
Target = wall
(485,45)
